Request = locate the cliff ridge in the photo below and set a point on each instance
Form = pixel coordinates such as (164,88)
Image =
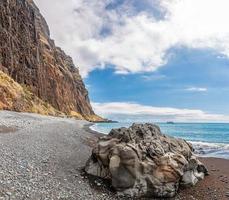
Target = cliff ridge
(30,57)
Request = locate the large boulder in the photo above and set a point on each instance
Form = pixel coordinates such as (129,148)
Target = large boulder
(141,161)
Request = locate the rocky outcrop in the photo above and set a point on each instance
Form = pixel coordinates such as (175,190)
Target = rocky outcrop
(30,57)
(141,161)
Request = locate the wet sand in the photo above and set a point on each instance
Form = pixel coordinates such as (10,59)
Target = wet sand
(213,187)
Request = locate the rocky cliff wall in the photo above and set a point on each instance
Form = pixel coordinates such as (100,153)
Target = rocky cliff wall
(30,57)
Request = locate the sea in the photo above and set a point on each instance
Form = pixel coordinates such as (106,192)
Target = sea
(208,139)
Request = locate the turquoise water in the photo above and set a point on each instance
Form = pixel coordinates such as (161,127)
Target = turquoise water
(208,139)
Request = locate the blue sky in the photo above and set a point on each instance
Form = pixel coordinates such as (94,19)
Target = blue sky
(174,85)
(162,59)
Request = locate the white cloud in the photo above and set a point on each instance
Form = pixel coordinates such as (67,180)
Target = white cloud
(154,77)
(133,111)
(196,89)
(137,42)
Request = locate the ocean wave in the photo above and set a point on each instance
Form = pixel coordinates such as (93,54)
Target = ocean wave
(96,129)
(208,145)
(206,149)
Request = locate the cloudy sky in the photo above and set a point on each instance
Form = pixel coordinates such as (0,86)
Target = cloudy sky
(152,59)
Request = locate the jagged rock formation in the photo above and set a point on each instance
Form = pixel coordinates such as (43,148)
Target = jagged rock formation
(30,57)
(141,161)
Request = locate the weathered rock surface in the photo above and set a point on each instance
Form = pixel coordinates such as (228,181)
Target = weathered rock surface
(141,161)
(30,57)
(13,96)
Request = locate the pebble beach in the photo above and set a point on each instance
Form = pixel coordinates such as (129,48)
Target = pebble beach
(42,157)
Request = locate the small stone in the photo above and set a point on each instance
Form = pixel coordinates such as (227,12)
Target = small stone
(8,193)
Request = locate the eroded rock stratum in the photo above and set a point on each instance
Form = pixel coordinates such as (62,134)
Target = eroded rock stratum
(141,161)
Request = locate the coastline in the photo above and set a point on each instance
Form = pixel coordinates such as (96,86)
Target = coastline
(214,186)
(87,127)
(44,156)
(206,139)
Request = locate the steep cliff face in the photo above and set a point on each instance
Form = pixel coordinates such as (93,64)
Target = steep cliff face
(30,57)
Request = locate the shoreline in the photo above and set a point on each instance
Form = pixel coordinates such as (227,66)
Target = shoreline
(215,186)
(87,127)
(51,151)
(202,149)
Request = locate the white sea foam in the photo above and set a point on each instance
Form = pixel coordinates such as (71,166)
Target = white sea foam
(207,145)
(206,149)
(95,128)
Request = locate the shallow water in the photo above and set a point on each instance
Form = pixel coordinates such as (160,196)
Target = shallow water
(208,139)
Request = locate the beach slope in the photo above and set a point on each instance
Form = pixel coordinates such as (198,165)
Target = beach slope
(42,157)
